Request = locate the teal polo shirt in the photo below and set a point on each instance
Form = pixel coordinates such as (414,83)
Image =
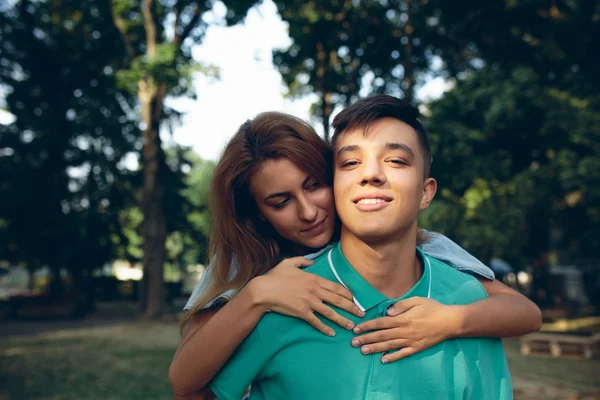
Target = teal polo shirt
(286,358)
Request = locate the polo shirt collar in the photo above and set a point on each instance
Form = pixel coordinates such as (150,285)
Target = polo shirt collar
(365,295)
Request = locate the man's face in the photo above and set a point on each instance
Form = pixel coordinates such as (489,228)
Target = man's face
(379,182)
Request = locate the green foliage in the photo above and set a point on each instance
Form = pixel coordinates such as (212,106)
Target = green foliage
(332,47)
(130,247)
(342,49)
(187,215)
(63,183)
(160,68)
(159,64)
(170,63)
(516,143)
(188,221)
(516,161)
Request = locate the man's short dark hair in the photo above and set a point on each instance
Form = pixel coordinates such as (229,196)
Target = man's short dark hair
(373,108)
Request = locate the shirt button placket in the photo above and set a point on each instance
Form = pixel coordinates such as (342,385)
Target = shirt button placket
(380,380)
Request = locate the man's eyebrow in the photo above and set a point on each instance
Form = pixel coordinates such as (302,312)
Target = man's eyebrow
(344,149)
(281,194)
(399,146)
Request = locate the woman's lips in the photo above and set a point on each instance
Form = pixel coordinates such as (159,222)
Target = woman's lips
(317,228)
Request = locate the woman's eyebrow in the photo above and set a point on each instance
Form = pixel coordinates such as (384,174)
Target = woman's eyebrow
(278,194)
(282,194)
(306,180)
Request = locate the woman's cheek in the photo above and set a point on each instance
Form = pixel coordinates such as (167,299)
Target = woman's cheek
(324,198)
(282,221)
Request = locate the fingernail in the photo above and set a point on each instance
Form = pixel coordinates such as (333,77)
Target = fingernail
(384,360)
(365,349)
(355,342)
(350,325)
(391,310)
(331,332)
(357,330)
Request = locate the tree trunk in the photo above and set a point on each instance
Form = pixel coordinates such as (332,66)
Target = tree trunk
(154,231)
(325,96)
(326,111)
(408,81)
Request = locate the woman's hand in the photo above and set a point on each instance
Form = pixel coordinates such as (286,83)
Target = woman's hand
(412,325)
(288,290)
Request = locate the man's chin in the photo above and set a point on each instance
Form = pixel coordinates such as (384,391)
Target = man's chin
(373,234)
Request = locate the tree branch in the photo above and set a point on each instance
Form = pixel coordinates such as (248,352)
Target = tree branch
(408,78)
(191,25)
(177,18)
(160,96)
(149,27)
(122,29)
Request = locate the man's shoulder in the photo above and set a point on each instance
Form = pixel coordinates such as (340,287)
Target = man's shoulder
(455,286)
(321,266)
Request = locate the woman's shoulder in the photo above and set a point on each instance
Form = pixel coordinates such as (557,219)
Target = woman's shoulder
(444,249)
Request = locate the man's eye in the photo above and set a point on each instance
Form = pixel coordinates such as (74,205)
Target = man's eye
(349,164)
(399,161)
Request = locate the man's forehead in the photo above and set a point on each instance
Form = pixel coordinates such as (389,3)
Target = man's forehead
(383,131)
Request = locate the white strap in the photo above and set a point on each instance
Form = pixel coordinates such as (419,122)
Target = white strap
(360,307)
(429,268)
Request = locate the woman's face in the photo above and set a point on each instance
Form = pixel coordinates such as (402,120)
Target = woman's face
(298,207)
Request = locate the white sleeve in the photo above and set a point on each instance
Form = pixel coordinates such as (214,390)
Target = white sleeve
(203,285)
(444,249)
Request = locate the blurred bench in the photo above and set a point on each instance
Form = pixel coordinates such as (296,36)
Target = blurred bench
(561,345)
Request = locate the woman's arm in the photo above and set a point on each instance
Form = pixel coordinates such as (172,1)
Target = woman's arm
(416,324)
(204,394)
(212,336)
(208,341)
(505,313)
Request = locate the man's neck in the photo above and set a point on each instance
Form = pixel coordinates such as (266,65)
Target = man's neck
(391,266)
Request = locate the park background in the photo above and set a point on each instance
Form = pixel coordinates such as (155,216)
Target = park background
(113,112)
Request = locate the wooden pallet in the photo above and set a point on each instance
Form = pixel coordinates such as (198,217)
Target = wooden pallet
(561,345)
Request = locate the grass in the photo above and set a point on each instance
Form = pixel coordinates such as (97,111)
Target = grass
(126,362)
(130,361)
(577,374)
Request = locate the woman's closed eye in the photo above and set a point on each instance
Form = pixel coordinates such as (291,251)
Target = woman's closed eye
(313,186)
(281,204)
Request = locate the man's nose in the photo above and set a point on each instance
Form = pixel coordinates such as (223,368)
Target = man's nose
(373,173)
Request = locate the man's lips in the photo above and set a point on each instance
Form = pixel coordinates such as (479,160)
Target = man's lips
(371,201)
(316,227)
(371,198)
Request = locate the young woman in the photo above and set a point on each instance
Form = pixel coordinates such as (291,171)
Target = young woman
(271,198)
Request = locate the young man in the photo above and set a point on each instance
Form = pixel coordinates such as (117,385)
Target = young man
(382,158)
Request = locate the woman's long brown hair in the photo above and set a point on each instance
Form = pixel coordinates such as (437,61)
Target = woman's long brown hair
(237,232)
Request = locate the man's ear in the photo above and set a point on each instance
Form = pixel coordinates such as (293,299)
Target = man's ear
(429,189)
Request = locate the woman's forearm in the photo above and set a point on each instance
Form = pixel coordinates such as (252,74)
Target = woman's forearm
(211,339)
(505,313)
